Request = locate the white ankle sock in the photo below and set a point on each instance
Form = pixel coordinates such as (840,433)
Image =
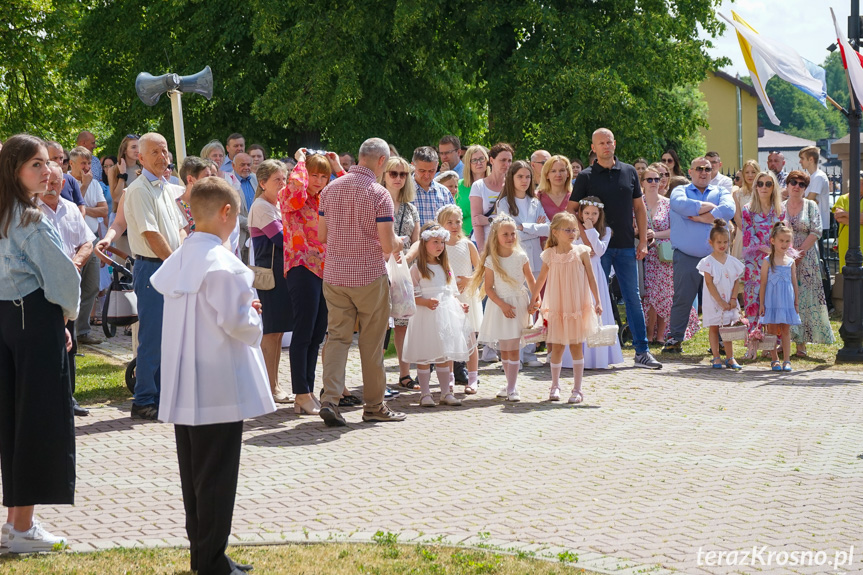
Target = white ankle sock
(472,378)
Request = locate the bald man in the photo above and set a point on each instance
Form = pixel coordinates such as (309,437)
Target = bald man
(87,140)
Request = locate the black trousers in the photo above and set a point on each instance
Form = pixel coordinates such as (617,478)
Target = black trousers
(70,325)
(37,430)
(209,457)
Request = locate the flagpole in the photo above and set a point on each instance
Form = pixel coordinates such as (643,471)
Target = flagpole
(851,330)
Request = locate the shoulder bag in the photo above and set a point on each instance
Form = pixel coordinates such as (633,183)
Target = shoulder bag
(264,278)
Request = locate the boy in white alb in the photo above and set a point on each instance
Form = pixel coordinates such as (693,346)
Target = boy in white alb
(213,372)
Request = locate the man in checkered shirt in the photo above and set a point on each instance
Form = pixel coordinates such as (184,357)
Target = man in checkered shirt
(431,196)
(356,222)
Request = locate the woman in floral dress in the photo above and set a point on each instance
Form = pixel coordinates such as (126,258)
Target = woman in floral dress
(757,219)
(658,275)
(803,217)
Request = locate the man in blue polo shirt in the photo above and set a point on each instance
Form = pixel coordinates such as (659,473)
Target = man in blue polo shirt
(693,209)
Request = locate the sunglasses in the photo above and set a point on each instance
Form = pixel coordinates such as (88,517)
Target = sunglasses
(702,169)
(668,161)
(394,174)
(665,176)
(652,180)
(764,184)
(793,182)
(133,137)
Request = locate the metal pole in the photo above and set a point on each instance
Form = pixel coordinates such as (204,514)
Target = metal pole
(851,330)
(179,133)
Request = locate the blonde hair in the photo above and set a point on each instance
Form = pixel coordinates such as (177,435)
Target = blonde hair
(468,174)
(490,257)
(544,184)
(408,193)
(743,184)
(755,202)
(448,211)
(779,227)
(423,260)
(559,220)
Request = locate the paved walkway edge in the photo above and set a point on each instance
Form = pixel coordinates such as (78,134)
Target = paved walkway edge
(588,560)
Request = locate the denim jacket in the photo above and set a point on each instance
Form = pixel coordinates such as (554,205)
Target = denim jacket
(32,257)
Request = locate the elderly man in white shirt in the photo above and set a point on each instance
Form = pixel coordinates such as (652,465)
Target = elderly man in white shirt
(77,243)
(95,213)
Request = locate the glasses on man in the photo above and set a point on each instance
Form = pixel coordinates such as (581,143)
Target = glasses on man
(652,180)
(397,175)
(477,161)
(793,182)
(445,152)
(703,169)
(764,184)
(540,162)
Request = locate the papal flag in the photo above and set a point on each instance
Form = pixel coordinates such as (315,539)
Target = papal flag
(766,58)
(851,59)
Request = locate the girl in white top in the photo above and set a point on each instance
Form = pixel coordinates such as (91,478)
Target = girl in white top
(463,258)
(519,201)
(438,333)
(722,283)
(596,234)
(502,273)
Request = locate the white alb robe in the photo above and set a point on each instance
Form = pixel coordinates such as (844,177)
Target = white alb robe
(213,370)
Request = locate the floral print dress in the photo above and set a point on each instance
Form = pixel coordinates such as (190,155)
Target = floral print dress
(659,276)
(815,326)
(756,234)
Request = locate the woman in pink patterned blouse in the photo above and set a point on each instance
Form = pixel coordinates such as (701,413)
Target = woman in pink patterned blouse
(304,270)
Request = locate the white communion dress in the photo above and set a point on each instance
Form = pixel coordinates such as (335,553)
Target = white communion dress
(459,260)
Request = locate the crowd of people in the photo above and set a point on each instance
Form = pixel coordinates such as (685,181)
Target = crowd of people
(507,257)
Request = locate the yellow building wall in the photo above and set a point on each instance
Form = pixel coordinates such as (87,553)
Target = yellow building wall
(721,135)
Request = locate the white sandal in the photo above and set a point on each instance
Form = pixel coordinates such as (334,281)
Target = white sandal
(576,397)
(554,394)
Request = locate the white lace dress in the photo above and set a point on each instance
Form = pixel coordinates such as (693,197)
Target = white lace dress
(459,261)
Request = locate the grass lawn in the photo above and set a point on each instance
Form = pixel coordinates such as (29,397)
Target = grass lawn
(384,558)
(100,380)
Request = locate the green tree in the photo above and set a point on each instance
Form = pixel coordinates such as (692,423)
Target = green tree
(36,94)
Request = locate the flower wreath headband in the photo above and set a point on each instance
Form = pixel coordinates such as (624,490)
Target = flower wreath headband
(599,205)
(438,233)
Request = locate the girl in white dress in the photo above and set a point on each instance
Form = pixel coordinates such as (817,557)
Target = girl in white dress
(502,273)
(438,333)
(597,234)
(463,258)
(722,283)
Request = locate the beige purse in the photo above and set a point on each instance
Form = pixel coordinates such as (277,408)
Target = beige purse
(264,278)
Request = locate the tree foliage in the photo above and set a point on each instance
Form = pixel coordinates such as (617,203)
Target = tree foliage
(536,73)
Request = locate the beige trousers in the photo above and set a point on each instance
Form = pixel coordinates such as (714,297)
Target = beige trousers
(369,307)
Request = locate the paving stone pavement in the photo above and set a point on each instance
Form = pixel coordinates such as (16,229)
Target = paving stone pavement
(654,467)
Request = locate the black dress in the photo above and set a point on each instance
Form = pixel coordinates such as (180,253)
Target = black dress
(276,312)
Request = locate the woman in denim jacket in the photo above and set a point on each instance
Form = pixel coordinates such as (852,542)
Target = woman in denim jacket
(39,291)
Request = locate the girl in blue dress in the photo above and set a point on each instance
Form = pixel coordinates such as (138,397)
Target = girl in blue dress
(778,294)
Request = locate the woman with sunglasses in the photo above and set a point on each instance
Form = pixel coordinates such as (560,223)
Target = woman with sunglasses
(659,275)
(672,162)
(664,177)
(742,196)
(758,217)
(476,158)
(396,178)
(804,218)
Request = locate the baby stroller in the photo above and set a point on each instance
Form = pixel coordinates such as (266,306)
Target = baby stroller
(121,305)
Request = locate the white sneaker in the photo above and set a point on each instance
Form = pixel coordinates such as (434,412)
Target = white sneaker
(533,363)
(513,397)
(502,393)
(4,535)
(450,399)
(34,540)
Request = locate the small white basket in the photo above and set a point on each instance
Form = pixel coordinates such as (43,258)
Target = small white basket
(605,336)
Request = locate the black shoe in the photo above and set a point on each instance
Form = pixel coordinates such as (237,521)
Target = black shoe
(459,370)
(349,401)
(672,346)
(78,410)
(148,412)
(331,416)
